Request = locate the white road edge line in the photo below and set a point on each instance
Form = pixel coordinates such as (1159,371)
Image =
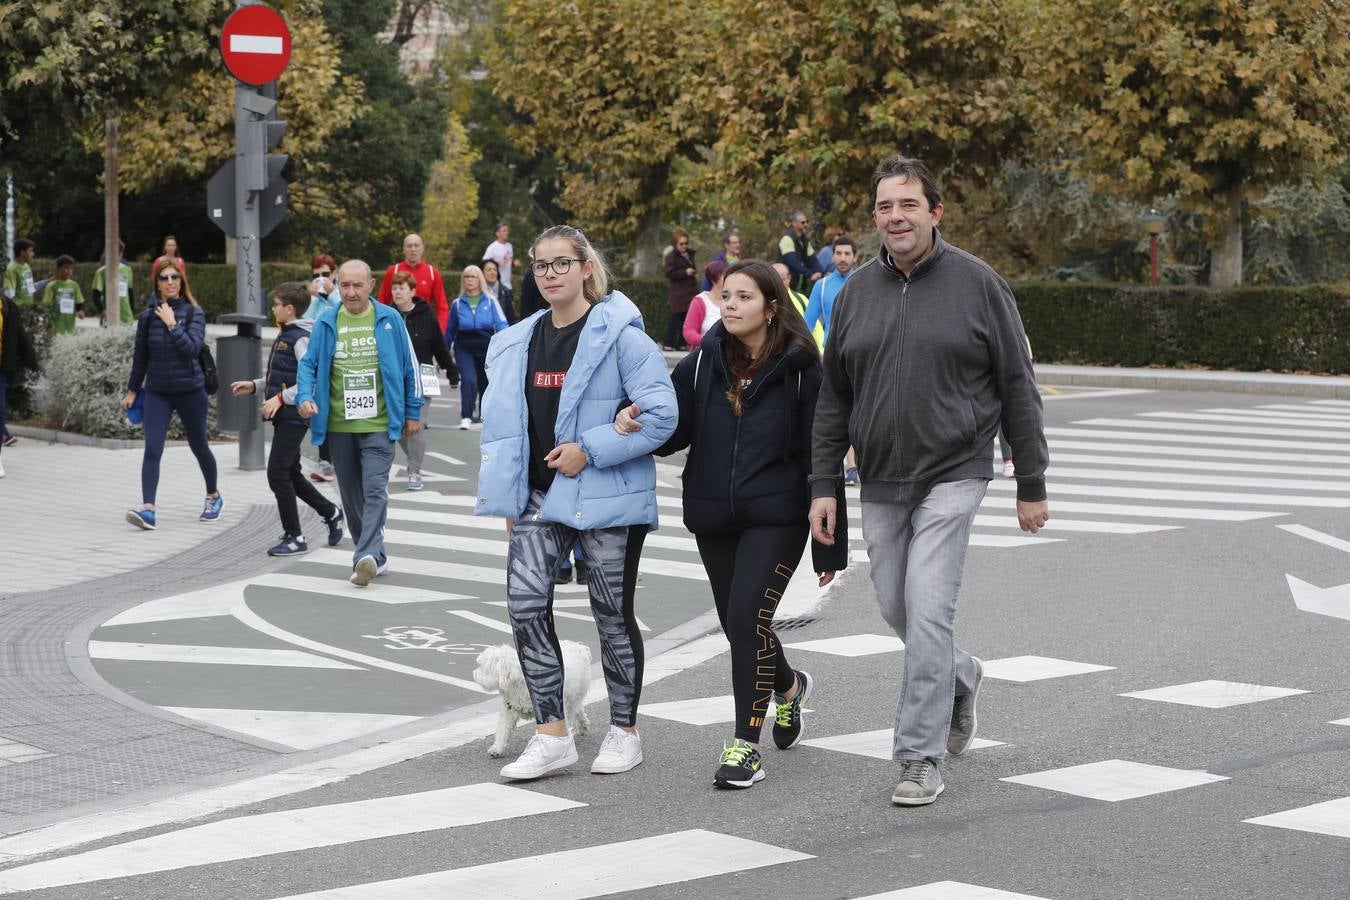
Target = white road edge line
(1318,536)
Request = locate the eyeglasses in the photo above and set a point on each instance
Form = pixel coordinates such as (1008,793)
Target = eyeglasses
(560,266)
(323,274)
(170,276)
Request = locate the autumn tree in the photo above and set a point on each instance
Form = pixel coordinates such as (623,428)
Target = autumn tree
(1211,102)
(451,202)
(314,98)
(808,97)
(609,88)
(77,60)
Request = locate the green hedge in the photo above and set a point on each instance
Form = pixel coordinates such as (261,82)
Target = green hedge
(1283,329)
(650,296)
(212,283)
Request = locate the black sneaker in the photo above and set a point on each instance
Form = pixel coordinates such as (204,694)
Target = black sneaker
(741,766)
(291,545)
(583,571)
(787,722)
(563,576)
(10,440)
(334,528)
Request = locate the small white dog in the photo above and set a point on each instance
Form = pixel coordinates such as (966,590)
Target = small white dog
(498,669)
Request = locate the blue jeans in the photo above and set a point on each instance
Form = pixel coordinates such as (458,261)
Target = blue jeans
(191,407)
(917,548)
(472,379)
(361,463)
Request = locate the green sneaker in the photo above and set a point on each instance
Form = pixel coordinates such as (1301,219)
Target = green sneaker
(741,766)
(787,721)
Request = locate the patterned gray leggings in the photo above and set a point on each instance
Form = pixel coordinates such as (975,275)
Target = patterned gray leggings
(536,551)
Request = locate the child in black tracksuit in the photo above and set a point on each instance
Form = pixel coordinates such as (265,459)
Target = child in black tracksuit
(288,428)
(747,400)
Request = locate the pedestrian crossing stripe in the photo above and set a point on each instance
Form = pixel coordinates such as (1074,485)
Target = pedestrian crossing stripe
(1223,429)
(1319,426)
(287,831)
(596,871)
(1165,437)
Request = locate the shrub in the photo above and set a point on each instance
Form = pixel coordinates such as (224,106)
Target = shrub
(212,283)
(87,376)
(649,295)
(1284,329)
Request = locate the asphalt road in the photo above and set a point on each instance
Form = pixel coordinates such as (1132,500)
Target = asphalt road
(1154,687)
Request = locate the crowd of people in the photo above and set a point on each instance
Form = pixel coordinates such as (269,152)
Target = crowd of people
(897,373)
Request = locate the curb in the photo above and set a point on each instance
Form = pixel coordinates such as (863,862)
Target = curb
(52,436)
(1332,387)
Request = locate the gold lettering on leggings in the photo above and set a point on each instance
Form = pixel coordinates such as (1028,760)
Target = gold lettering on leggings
(764,689)
(783,570)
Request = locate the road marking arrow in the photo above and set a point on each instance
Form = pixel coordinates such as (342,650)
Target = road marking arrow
(1332,601)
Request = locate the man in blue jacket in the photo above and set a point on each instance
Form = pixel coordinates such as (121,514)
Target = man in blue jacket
(359,386)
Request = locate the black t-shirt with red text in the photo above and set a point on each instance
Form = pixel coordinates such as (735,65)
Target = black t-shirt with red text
(551,352)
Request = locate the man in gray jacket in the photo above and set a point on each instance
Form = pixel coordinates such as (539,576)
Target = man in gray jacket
(926,358)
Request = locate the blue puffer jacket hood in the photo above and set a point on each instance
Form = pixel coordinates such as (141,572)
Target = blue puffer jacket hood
(615,364)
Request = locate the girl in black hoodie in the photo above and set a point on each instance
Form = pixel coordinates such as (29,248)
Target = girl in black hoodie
(747,400)
(428,342)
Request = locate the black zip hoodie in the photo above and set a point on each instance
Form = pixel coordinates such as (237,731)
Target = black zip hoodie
(919,373)
(753,470)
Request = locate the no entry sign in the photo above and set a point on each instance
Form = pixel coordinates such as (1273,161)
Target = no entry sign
(256,44)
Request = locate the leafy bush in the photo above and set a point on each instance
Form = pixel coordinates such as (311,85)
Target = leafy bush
(649,295)
(1284,329)
(212,283)
(87,376)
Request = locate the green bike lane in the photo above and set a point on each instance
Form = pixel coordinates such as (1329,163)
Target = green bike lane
(298,659)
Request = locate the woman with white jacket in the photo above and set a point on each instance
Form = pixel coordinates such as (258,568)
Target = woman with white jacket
(554,466)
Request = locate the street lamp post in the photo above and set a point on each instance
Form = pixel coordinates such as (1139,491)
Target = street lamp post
(1153,223)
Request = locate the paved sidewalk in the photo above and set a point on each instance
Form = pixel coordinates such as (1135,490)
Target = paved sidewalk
(62,509)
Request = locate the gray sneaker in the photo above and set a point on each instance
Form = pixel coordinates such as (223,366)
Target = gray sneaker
(962,730)
(920,783)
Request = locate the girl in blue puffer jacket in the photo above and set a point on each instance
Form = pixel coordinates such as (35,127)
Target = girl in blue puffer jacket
(169,339)
(556,468)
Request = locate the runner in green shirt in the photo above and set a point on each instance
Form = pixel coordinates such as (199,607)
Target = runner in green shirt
(99,290)
(355,394)
(18,285)
(63,297)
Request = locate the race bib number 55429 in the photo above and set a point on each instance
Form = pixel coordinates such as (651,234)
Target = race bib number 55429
(358,396)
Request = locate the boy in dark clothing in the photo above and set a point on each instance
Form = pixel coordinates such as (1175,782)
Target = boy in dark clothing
(288,428)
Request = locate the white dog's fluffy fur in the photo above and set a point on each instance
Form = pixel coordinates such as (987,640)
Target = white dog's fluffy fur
(498,669)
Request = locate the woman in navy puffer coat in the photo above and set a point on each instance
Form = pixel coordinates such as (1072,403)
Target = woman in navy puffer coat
(169,340)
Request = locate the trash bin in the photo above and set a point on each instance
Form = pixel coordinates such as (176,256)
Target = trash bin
(238,358)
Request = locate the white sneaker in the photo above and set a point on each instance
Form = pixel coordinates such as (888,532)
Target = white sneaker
(543,754)
(619,752)
(464,424)
(365,571)
(1008,470)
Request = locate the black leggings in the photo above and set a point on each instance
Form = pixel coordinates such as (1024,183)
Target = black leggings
(749,571)
(287,482)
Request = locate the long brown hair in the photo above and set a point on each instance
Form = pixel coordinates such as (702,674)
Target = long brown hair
(160,265)
(785,328)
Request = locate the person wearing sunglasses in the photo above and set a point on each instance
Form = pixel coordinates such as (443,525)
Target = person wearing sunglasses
(554,467)
(166,360)
(323,290)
